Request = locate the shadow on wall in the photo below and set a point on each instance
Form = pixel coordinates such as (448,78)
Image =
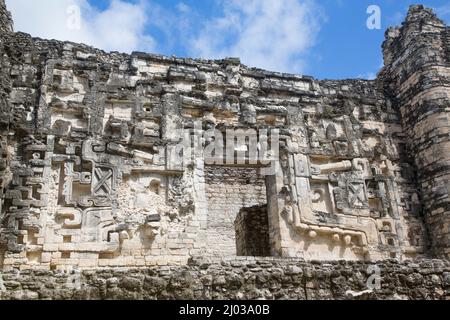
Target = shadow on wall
(2,257)
(252,232)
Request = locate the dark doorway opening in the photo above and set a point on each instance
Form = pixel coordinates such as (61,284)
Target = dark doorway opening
(252,232)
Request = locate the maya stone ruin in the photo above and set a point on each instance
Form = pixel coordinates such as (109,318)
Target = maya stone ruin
(92,174)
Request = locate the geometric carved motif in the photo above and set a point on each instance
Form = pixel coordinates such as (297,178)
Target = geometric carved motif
(102,181)
(351,192)
(356,191)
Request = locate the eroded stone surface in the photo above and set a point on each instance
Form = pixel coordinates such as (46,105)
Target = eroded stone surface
(90,175)
(239,278)
(416,79)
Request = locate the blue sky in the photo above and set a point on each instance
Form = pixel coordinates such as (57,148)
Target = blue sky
(325,39)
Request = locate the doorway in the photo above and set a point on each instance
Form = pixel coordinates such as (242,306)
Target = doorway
(252,232)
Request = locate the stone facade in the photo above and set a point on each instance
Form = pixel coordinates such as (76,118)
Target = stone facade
(92,174)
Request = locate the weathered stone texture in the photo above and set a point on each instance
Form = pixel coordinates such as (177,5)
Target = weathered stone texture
(6,24)
(92,174)
(417,81)
(246,278)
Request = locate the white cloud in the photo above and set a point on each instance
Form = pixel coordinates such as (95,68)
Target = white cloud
(367,76)
(120,27)
(269,34)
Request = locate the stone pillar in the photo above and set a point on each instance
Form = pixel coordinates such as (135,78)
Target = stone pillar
(416,79)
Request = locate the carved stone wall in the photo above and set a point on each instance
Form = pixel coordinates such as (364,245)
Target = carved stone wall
(93,175)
